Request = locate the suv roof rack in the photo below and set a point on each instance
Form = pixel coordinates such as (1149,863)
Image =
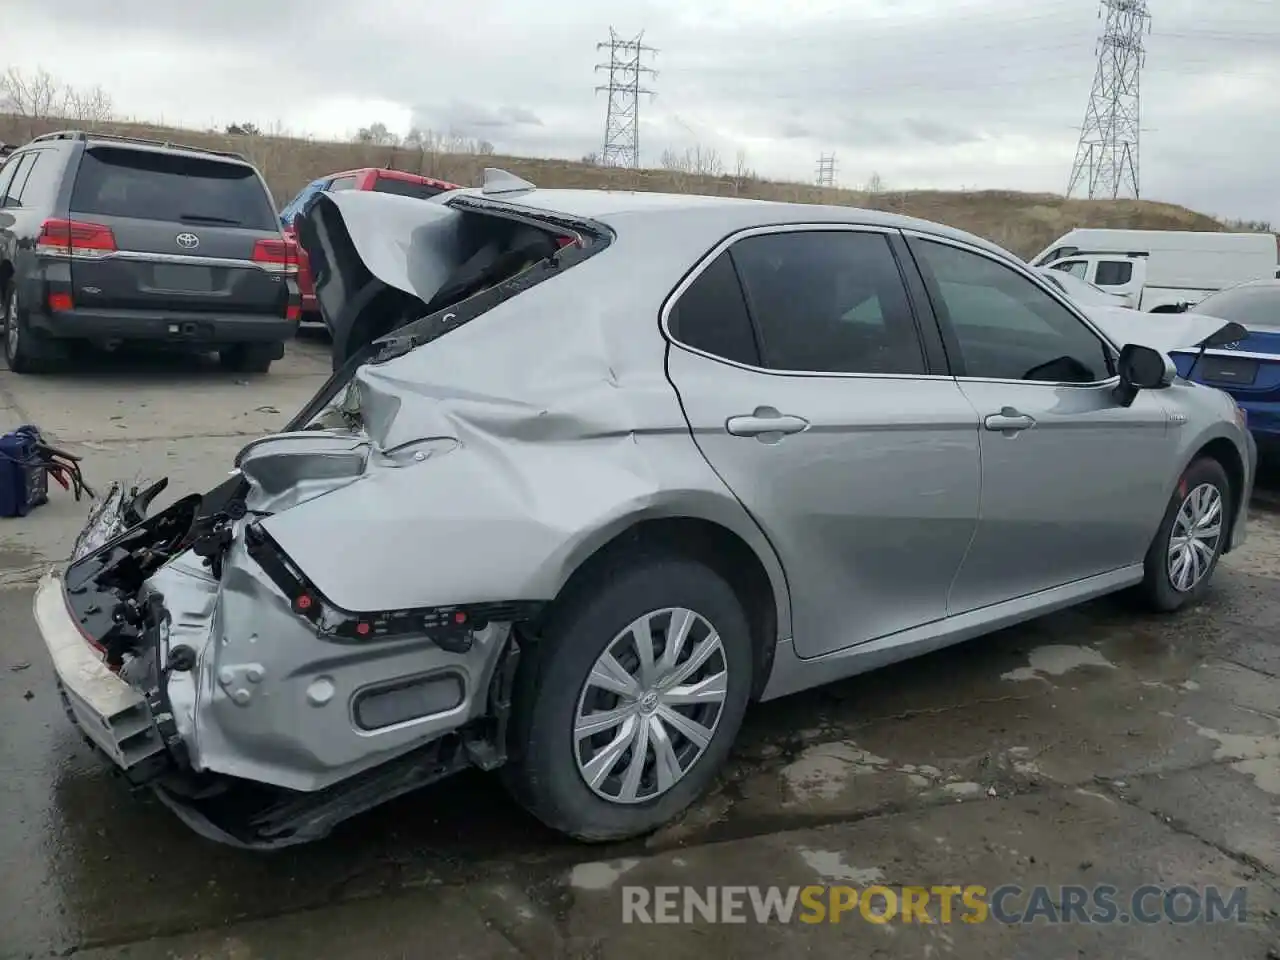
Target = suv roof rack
(85,135)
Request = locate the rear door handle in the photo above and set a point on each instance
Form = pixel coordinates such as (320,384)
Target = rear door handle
(765,424)
(1009,421)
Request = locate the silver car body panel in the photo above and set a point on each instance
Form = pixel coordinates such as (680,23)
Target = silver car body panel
(490,464)
(269,702)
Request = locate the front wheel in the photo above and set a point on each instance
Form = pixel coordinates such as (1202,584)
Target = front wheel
(1185,552)
(630,700)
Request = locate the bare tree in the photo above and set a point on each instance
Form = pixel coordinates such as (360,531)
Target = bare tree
(697,159)
(378,134)
(742,174)
(89,106)
(34,96)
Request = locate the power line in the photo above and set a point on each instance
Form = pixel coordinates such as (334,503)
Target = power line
(1107,154)
(622,117)
(827,170)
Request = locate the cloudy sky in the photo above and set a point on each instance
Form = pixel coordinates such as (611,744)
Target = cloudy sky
(924,93)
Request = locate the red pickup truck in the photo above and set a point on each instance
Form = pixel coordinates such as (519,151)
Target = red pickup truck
(366,178)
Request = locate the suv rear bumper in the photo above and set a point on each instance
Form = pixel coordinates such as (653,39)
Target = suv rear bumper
(204,330)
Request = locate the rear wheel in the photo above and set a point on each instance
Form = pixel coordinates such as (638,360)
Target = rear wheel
(250,357)
(630,700)
(20,351)
(1184,554)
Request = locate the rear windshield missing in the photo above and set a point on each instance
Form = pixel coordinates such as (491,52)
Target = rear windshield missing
(119,182)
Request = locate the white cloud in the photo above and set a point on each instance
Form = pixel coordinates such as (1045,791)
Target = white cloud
(929,93)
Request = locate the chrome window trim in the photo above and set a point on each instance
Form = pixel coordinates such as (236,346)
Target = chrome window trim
(1028,273)
(701,266)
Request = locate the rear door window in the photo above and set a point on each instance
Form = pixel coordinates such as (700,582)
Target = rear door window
(37,184)
(148,185)
(711,315)
(42,179)
(829,301)
(10,194)
(1113,273)
(6,173)
(405,188)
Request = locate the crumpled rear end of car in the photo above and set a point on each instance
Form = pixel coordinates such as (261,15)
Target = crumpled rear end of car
(291,646)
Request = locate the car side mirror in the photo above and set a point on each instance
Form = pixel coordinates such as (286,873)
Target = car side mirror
(1142,368)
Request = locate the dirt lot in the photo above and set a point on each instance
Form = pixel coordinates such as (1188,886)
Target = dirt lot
(1095,746)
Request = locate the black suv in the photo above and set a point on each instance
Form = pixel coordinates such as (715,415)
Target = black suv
(115,240)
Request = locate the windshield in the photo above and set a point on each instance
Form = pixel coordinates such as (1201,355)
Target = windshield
(295,205)
(119,182)
(1254,307)
(407,188)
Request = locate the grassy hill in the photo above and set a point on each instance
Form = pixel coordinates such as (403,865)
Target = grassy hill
(1021,222)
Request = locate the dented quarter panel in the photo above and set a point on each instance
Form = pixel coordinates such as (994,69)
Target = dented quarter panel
(566,430)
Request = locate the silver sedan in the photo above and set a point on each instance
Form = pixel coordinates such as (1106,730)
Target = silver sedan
(604,469)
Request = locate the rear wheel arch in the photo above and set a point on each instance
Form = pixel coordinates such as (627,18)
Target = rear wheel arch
(707,542)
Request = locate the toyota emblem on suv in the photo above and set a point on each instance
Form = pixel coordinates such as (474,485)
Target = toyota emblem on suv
(188,241)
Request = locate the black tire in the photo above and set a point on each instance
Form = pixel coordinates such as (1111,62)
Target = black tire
(249,357)
(1158,589)
(543,773)
(18,352)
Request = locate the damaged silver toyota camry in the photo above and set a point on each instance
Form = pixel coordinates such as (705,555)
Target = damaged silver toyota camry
(601,469)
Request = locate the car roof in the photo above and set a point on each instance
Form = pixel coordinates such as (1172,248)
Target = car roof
(168,150)
(392,175)
(614,207)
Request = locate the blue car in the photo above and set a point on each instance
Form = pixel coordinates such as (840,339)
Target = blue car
(1248,369)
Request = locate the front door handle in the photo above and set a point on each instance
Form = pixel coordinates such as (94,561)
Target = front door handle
(1009,421)
(765,424)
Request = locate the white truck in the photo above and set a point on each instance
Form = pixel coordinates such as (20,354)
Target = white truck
(1159,271)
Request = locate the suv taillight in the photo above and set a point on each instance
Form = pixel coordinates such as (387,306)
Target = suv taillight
(276,256)
(75,239)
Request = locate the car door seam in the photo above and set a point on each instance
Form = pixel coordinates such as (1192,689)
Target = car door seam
(977,506)
(693,438)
